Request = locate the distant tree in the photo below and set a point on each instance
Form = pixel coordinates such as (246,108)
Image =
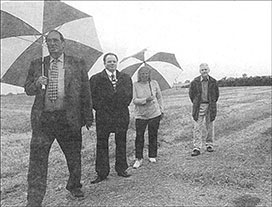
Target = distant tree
(230,79)
(244,75)
(187,81)
(246,81)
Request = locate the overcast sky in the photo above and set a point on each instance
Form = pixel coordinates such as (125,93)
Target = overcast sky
(233,37)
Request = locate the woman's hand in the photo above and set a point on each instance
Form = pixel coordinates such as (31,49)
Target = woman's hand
(162,115)
(150,98)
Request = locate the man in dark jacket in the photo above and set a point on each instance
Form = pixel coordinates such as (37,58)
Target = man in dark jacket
(204,94)
(111,95)
(62,106)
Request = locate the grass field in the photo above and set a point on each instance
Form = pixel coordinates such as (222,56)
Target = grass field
(238,173)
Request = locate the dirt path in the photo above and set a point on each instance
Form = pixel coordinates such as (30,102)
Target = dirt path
(178,179)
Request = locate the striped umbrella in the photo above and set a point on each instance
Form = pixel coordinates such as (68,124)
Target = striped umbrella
(164,66)
(24,26)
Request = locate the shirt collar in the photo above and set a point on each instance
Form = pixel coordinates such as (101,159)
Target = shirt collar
(201,78)
(60,59)
(110,73)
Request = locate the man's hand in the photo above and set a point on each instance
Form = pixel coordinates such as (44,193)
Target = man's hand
(89,124)
(42,80)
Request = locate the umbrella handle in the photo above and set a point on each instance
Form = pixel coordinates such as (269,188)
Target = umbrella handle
(150,88)
(43,86)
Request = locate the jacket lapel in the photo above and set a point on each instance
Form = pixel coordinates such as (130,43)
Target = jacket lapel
(46,65)
(104,74)
(107,80)
(199,84)
(67,66)
(119,78)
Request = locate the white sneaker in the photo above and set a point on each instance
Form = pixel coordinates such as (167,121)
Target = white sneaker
(138,163)
(151,159)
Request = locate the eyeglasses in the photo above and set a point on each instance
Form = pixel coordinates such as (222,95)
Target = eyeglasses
(50,41)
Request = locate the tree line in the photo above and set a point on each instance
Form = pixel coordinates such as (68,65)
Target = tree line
(241,81)
(245,81)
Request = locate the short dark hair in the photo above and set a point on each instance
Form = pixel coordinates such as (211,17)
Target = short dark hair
(107,54)
(61,36)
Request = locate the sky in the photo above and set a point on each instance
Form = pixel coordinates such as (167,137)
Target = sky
(233,37)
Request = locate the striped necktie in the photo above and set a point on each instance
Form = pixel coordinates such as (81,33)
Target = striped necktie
(113,81)
(53,81)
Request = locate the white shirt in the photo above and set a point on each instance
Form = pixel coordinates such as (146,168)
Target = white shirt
(110,74)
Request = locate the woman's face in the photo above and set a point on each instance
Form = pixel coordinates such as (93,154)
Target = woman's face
(144,75)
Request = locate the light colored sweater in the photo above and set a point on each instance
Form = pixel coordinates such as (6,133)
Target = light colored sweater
(143,109)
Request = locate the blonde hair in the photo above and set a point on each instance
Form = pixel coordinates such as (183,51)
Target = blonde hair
(140,70)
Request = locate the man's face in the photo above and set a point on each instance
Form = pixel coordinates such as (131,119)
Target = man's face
(54,44)
(204,71)
(111,63)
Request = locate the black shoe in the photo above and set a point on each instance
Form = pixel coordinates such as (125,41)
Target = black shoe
(98,180)
(123,174)
(210,149)
(77,192)
(195,152)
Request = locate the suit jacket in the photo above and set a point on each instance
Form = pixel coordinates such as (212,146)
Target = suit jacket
(195,91)
(77,95)
(111,107)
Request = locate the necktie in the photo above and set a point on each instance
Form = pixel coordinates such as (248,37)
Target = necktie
(53,82)
(113,81)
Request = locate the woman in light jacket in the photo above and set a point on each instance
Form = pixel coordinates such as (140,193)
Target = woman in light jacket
(147,99)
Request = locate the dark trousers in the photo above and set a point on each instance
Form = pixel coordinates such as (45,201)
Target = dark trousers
(54,126)
(102,165)
(153,126)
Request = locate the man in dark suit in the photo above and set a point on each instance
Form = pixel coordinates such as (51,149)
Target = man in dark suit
(111,95)
(59,111)
(204,94)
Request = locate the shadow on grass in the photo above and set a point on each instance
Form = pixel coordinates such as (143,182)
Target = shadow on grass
(246,201)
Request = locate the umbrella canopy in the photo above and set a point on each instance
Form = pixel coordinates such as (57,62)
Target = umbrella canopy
(24,26)
(164,66)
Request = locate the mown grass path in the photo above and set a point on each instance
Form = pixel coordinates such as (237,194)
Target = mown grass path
(238,173)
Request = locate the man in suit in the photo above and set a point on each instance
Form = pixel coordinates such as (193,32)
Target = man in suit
(59,111)
(204,94)
(111,95)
